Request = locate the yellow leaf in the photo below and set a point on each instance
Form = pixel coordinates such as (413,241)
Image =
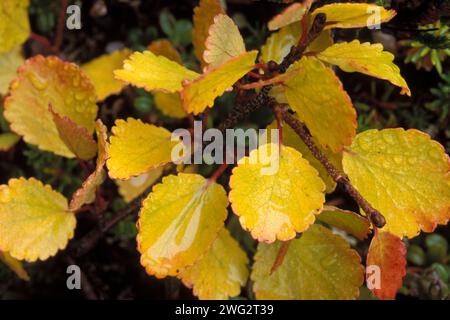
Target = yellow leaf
(200,94)
(404,175)
(163,47)
(291,139)
(44,81)
(323,41)
(317,95)
(86,194)
(224,41)
(345,220)
(354,15)
(151,72)
(366,58)
(279,43)
(203,18)
(8,140)
(293,13)
(34,220)
(101,71)
(275,196)
(15,265)
(169,104)
(14,23)
(318,266)
(133,187)
(177,228)
(137,147)
(76,137)
(9,62)
(279,94)
(221,272)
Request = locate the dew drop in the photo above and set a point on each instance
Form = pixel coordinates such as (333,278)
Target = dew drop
(14,85)
(388,137)
(398,159)
(412,160)
(434,154)
(364,143)
(37,82)
(68,100)
(327,262)
(80,96)
(139,180)
(76,81)
(5,194)
(51,62)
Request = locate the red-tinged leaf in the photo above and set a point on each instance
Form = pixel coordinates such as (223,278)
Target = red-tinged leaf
(203,18)
(87,192)
(76,137)
(387,252)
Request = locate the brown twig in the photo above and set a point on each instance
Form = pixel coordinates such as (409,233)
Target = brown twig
(279,119)
(86,286)
(218,173)
(60,27)
(43,41)
(280,256)
(304,23)
(302,131)
(205,118)
(297,51)
(266,82)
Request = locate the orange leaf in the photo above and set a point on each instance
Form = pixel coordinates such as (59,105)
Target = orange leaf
(163,47)
(87,192)
(203,18)
(291,14)
(387,252)
(199,94)
(75,137)
(42,81)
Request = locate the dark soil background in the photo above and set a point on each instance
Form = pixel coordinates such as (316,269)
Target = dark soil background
(112,269)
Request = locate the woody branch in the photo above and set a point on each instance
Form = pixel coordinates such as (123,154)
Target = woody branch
(262,98)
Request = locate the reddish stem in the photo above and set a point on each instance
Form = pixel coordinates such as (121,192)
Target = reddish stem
(375,217)
(261,65)
(279,117)
(280,256)
(305,30)
(217,173)
(61,22)
(43,41)
(255,75)
(205,117)
(84,167)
